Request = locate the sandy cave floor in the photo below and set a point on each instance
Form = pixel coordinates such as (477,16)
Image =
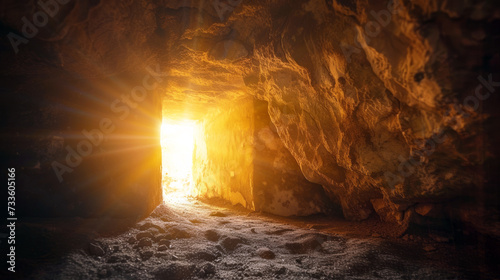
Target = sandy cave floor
(190,239)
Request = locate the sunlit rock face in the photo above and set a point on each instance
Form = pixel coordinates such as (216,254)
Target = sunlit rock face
(223,155)
(375,101)
(390,106)
(238,156)
(373,107)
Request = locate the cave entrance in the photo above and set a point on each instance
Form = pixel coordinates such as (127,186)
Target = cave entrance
(177,144)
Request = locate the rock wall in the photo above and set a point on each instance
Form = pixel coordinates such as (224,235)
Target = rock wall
(238,156)
(79,150)
(387,102)
(279,186)
(64,71)
(223,155)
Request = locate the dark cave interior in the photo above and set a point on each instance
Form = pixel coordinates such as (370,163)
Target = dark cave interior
(331,139)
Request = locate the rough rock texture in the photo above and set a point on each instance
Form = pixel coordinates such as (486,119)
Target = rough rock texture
(373,99)
(373,111)
(238,156)
(222,157)
(356,107)
(279,186)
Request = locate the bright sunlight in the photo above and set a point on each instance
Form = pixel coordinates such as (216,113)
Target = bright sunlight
(177,143)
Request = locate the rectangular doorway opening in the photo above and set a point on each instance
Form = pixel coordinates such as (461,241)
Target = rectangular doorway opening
(177,144)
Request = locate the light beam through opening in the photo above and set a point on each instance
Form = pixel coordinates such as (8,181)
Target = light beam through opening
(177,144)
